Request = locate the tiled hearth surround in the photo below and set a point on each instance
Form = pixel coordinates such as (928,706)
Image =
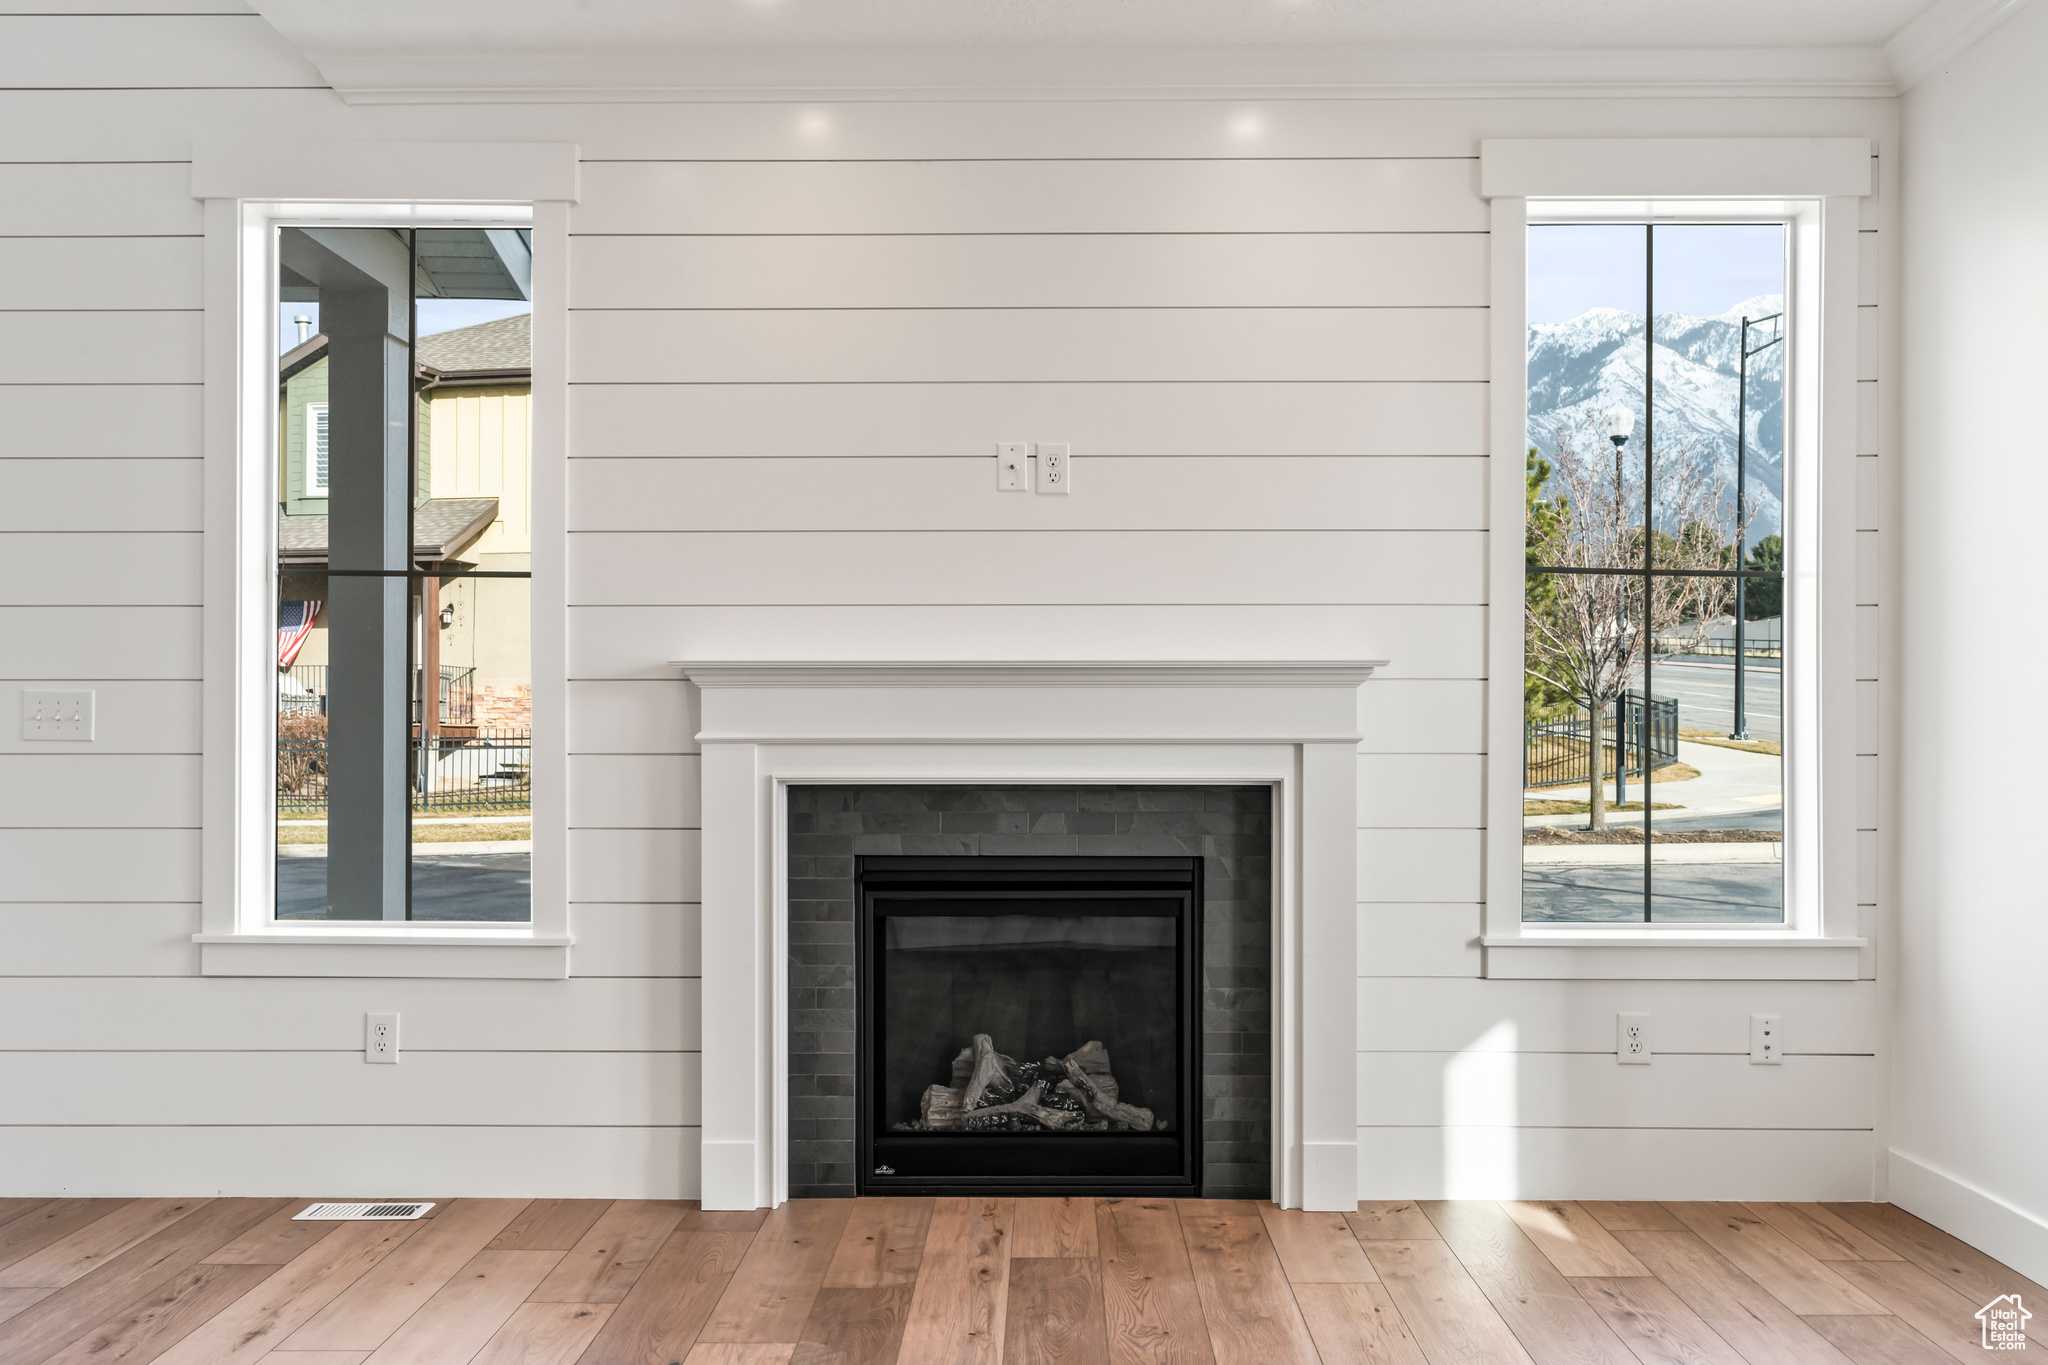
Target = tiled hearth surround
(1289,727)
(1227,826)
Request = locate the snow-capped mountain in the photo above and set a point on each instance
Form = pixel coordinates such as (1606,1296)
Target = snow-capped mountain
(1579,369)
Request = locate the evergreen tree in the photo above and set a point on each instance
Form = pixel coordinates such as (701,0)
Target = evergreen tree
(1765,597)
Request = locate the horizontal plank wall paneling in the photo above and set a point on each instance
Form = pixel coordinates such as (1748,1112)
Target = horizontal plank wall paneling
(107,346)
(982,345)
(794,345)
(80,199)
(153,717)
(115,273)
(1008,270)
(1562,1090)
(120,494)
(951,568)
(99,642)
(761,420)
(325,1015)
(468,1089)
(1274,492)
(1518,1162)
(824,197)
(83,415)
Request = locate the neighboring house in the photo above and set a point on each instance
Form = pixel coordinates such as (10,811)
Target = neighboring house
(472,510)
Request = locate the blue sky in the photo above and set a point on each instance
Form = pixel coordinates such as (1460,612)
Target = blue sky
(436,315)
(1702,269)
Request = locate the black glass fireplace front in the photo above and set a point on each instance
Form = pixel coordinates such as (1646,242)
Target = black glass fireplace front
(1028,1025)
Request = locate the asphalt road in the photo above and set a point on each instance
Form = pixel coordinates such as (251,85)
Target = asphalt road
(1682,893)
(1706,696)
(471,887)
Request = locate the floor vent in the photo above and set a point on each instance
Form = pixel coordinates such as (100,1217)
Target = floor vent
(361,1211)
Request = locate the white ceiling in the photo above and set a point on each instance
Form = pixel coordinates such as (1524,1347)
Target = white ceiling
(634,25)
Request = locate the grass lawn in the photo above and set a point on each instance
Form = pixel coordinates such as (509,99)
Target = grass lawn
(1719,741)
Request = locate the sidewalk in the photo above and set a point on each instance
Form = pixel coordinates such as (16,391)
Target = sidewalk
(1731,782)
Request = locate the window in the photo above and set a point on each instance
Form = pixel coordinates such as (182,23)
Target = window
(1655,543)
(403,670)
(316,450)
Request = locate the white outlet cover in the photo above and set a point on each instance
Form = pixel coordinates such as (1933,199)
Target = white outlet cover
(380,1039)
(1055,467)
(1766,1040)
(56,715)
(1638,1026)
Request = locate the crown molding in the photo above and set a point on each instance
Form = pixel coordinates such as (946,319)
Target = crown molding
(1943,32)
(1029,673)
(764,74)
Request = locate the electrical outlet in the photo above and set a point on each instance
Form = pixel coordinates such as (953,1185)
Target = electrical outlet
(1055,467)
(1766,1039)
(1632,1039)
(1013,466)
(380,1038)
(56,715)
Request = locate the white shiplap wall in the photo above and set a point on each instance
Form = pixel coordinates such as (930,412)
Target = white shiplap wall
(794,343)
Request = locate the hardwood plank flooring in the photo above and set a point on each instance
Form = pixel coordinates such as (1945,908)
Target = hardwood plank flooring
(1573,1239)
(1357,1324)
(883,1244)
(772,1290)
(658,1321)
(550,1225)
(1390,1221)
(989,1281)
(1799,1281)
(1252,1316)
(1054,1315)
(855,1327)
(1316,1248)
(1056,1227)
(1537,1303)
(1153,1314)
(956,1311)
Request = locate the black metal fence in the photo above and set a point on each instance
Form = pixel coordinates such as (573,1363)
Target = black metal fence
(485,773)
(1635,737)
(302,688)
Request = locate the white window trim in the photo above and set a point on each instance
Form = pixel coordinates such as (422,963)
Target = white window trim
(249,189)
(1814,186)
(308,488)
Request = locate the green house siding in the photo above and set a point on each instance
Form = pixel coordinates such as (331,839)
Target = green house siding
(310,386)
(307,386)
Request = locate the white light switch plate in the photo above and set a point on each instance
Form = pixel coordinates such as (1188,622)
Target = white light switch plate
(1013,466)
(56,715)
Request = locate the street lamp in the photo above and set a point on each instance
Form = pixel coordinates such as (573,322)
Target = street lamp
(1618,423)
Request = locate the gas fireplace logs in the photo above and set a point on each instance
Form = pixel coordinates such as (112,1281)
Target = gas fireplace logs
(992,1093)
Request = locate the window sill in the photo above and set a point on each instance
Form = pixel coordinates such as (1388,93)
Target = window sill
(1652,955)
(383,952)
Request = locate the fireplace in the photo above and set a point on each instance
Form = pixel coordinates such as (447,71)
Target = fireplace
(1028,1025)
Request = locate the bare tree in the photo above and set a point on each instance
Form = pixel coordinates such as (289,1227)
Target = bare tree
(1589,634)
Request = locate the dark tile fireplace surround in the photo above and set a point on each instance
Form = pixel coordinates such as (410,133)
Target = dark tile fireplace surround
(1227,828)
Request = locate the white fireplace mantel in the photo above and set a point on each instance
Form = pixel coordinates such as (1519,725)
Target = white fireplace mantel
(1289,725)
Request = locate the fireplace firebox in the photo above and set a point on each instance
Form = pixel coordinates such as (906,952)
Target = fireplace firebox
(1028,1025)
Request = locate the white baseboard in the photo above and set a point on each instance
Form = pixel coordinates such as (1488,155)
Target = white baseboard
(1614,1163)
(1986,1222)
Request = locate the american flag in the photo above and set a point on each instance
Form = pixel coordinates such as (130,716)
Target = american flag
(294,621)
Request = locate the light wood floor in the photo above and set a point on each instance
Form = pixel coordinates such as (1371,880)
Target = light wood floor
(979,1281)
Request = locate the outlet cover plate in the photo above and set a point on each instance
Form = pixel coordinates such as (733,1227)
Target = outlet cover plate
(1632,1039)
